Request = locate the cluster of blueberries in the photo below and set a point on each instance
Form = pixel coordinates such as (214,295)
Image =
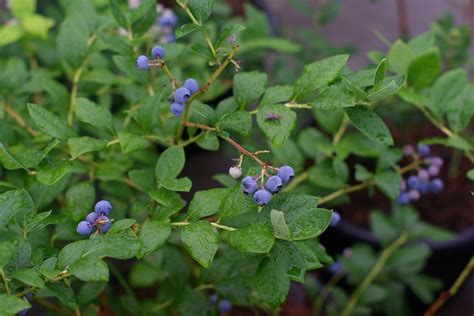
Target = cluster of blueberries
(262,196)
(181,95)
(224,306)
(167,20)
(97,219)
(425,180)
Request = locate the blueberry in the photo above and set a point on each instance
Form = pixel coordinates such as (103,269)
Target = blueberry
(213,298)
(437,161)
(423,150)
(142,62)
(249,185)
(433,170)
(414,195)
(335,267)
(167,18)
(103,207)
(176,108)
(167,38)
(413,182)
(335,218)
(235,172)
(262,197)
(84,228)
(403,185)
(286,173)
(158,52)
(424,187)
(274,184)
(224,306)
(408,150)
(423,175)
(181,95)
(436,185)
(191,85)
(92,217)
(104,223)
(403,198)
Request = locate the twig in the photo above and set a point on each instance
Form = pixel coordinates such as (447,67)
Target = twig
(444,296)
(345,190)
(342,129)
(374,273)
(325,292)
(5,281)
(19,120)
(296,181)
(402,18)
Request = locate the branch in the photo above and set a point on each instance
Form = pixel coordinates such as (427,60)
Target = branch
(374,273)
(19,120)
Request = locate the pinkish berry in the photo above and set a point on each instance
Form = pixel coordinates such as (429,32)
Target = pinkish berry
(403,185)
(408,150)
(423,175)
(433,170)
(437,161)
(414,195)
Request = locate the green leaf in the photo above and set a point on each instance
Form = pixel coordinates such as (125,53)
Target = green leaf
(334,97)
(64,293)
(49,123)
(121,225)
(7,249)
(361,173)
(201,9)
(118,14)
(248,86)
(29,277)
(186,29)
(227,31)
(424,287)
(319,74)
(460,111)
(454,142)
(143,17)
(202,113)
(370,124)
(280,227)
(389,183)
(11,304)
(81,145)
(90,269)
(153,235)
(201,240)
(254,238)
(209,141)
(399,57)
(22,8)
(143,178)
(51,172)
(314,254)
(98,116)
(170,163)
(234,203)
(305,220)
(446,90)
(424,69)
(277,94)
(324,175)
(392,87)
(380,74)
(206,203)
(279,44)
(80,198)
(313,142)
(388,158)
(132,142)
(13,203)
(10,34)
(272,282)
(181,185)
(470,174)
(383,228)
(276,131)
(72,40)
(37,25)
(239,122)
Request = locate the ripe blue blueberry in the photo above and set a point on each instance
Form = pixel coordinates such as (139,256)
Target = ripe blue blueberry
(424,187)
(414,195)
(335,267)
(142,62)
(103,207)
(176,108)
(274,184)
(413,182)
(403,198)
(224,306)
(249,185)
(167,38)
(92,217)
(213,298)
(436,185)
(191,85)
(181,95)
(84,228)
(104,223)
(167,18)
(286,173)
(158,52)
(423,150)
(262,197)
(335,218)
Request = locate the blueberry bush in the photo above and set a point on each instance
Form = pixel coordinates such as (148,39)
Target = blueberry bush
(103,106)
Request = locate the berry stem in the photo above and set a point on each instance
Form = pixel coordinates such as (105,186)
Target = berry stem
(201,91)
(5,281)
(342,129)
(19,120)
(374,273)
(444,296)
